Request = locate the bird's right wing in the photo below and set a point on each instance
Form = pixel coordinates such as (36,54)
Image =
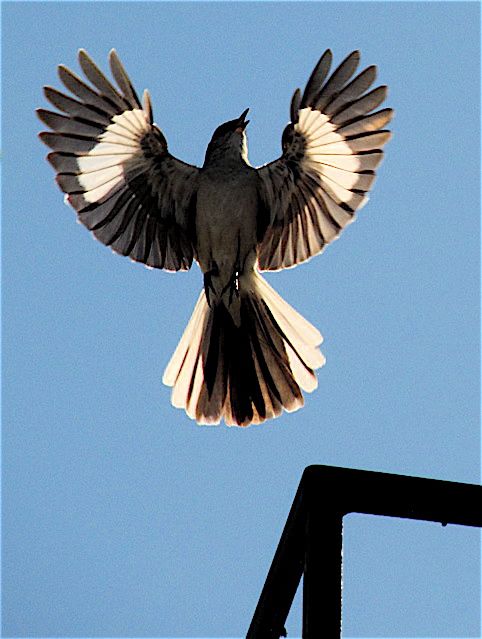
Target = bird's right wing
(331,149)
(113,164)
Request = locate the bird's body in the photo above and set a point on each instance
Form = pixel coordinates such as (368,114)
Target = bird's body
(226,217)
(246,353)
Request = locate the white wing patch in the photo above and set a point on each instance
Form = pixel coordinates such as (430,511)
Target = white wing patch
(100,170)
(329,158)
(113,165)
(328,164)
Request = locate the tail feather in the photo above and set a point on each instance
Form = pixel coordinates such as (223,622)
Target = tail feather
(176,362)
(305,337)
(273,351)
(245,363)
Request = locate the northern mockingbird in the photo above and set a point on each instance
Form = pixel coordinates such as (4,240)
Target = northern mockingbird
(245,354)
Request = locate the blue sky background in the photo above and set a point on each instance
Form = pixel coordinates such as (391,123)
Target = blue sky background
(121,517)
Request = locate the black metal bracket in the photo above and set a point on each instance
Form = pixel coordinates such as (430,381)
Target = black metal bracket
(311,543)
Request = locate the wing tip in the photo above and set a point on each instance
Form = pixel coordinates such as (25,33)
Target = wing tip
(295,105)
(390,113)
(113,57)
(42,114)
(51,158)
(44,137)
(147,104)
(82,56)
(48,90)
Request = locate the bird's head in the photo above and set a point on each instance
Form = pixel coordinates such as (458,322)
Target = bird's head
(229,140)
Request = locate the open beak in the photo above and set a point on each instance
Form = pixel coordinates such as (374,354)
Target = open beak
(242,123)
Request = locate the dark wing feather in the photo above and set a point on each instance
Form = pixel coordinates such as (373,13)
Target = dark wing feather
(114,166)
(331,149)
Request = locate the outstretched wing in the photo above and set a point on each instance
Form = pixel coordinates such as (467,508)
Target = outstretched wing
(331,149)
(114,166)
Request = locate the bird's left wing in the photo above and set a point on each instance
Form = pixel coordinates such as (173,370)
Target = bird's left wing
(113,164)
(331,149)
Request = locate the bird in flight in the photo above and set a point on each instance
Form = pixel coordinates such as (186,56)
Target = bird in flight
(246,354)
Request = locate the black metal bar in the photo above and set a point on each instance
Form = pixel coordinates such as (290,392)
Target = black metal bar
(322,576)
(283,577)
(312,538)
(364,491)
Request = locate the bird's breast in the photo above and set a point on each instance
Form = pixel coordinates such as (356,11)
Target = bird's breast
(226,217)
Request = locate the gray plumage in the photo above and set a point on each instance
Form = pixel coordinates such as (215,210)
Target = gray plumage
(246,355)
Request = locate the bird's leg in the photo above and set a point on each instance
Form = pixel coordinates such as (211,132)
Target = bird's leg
(233,286)
(208,281)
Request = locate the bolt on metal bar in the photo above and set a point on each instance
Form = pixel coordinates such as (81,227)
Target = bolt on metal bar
(311,542)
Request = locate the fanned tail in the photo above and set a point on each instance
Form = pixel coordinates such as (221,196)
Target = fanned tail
(245,362)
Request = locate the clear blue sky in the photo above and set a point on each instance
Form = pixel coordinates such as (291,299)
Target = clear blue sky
(122,518)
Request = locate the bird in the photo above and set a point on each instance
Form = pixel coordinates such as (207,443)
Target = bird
(246,355)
